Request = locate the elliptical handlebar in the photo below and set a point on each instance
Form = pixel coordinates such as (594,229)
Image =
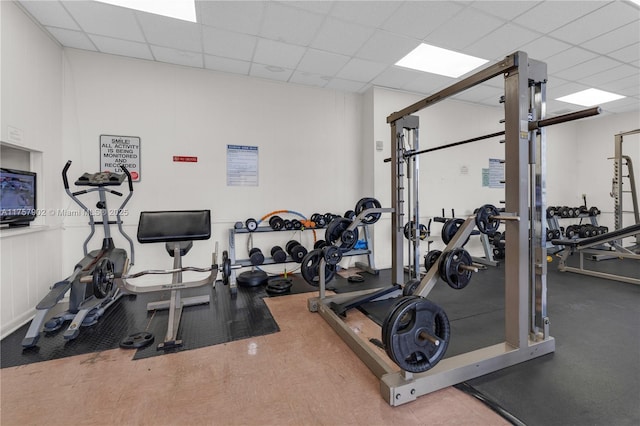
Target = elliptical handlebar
(64,174)
(126,172)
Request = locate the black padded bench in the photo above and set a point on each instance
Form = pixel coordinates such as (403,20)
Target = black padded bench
(177,229)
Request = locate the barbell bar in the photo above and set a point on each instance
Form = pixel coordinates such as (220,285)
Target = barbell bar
(533,125)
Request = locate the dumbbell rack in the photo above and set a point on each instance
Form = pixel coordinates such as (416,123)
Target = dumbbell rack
(368,267)
(553,223)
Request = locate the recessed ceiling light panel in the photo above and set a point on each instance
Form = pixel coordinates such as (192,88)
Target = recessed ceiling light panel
(590,97)
(440,61)
(178,9)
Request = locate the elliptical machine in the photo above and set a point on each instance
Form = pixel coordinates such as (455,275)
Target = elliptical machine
(89,297)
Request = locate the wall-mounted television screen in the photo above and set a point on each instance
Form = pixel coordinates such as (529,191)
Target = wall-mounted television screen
(17,197)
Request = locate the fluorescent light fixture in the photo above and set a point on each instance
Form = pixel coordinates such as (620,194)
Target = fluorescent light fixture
(440,61)
(590,97)
(179,9)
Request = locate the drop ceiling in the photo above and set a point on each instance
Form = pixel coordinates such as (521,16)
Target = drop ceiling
(353,45)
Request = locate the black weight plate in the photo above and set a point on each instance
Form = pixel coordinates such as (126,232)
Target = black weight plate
(138,340)
(334,232)
(403,335)
(226,267)
(368,203)
(450,229)
(278,285)
(310,268)
(103,278)
(252,278)
(410,287)
(396,305)
(450,271)
(431,258)
(332,255)
(484,219)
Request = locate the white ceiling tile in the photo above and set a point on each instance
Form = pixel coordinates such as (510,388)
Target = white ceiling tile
(320,62)
(507,10)
(629,54)
(504,41)
(269,52)
(290,25)
(341,37)
(116,46)
(178,57)
(317,6)
(346,85)
(228,44)
(386,47)
(395,76)
(625,35)
(369,13)
(103,19)
(550,15)
(544,47)
(427,83)
(418,18)
(462,30)
(69,38)
(614,14)
(628,86)
(587,68)
(560,90)
(226,65)
(613,74)
(270,72)
(239,16)
(361,70)
(50,13)
(622,105)
(567,59)
(481,93)
(174,33)
(308,79)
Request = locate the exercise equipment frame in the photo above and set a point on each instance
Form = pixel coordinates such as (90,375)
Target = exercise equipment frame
(526,321)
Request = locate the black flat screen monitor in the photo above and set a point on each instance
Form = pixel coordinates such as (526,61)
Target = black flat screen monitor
(17,197)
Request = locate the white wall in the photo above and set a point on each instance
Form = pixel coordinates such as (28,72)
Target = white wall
(309,142)
(31,99)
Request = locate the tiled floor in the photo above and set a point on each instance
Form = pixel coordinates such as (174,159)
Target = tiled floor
(303,374)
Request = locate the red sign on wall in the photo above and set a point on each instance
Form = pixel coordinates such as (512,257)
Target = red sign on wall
(184,159)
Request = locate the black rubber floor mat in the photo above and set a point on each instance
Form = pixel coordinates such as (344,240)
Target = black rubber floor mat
(224,319)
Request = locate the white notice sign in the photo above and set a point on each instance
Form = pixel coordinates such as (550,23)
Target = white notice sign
(242,165)
(118,150)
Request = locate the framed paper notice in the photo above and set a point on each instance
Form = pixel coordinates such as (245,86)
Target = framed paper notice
(496,173)
(118,150)
(242,165)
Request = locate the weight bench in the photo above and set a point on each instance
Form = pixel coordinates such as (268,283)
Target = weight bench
(178,230)
(585,246)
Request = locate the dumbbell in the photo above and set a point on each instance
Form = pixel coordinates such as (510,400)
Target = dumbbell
(350,214)
(251,224)
(256,257)
(571,231)
(296,224)
(319,220)
(278,254)
(288,225)
(296,251)
(551,211)
(594,211)
(276,223)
